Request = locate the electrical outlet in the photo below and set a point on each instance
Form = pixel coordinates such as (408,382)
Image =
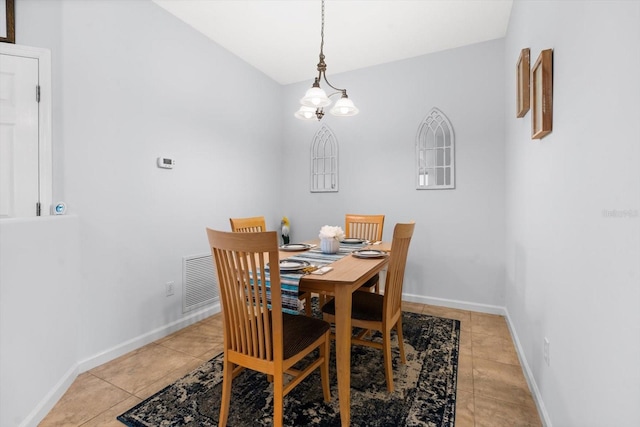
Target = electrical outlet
(546,350)
(170,288)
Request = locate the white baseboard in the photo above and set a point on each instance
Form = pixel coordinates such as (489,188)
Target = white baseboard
(493,309)
(450,303)
(149,337)
(533,386)
(50,400)
(65,382)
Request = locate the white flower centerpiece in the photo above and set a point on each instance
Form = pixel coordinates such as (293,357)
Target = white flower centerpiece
(330,238)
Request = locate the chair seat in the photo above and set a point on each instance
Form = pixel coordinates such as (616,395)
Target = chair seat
(300,331)
(371,282)
(364,306)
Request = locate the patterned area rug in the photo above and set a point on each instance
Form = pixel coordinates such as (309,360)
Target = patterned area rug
(425,388)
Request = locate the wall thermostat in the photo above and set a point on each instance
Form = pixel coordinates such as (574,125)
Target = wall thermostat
(166,163)
(60,208)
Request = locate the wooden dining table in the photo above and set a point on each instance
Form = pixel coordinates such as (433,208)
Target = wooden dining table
(348,274)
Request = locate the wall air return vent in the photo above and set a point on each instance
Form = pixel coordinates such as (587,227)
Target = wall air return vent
(200,282)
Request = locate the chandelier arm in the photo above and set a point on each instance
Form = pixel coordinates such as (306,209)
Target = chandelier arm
(342,91)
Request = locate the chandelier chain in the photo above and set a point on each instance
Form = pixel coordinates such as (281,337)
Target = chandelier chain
(322,35)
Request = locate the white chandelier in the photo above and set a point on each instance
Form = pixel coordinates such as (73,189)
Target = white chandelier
(315,99)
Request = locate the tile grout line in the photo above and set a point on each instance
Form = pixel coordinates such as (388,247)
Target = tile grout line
(129,396)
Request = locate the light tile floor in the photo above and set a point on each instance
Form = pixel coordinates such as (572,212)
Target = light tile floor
(492,390)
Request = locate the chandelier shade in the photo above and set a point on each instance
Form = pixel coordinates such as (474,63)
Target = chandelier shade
(306,113)
(315,99)
(344,107)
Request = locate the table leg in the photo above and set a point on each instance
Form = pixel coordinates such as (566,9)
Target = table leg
(342,298)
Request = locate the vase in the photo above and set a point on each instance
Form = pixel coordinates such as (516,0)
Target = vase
(329,246)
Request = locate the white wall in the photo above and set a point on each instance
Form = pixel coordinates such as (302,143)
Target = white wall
(155,87)
(131,83)
(457,253)
(573,273)
(39,311)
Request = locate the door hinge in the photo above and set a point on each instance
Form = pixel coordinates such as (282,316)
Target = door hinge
(38,93)
(38,209)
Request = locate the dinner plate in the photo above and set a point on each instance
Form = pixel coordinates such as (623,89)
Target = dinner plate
(369,253)
(352,241)
(292,265)
(295,247)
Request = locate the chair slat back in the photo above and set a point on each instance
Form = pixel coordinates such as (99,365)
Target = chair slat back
(402,234)
(254,224)
(367,227)
(251,328)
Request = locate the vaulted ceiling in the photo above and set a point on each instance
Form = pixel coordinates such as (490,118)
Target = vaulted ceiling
(282,38)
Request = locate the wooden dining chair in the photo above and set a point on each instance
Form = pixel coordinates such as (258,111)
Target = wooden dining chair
(371,311)
(249,224)
(256,224)
(367,227)
(257,337)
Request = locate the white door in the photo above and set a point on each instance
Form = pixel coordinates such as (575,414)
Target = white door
(19,178)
